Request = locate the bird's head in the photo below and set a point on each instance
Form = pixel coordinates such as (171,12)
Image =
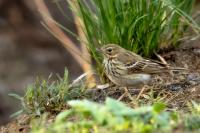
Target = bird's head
(110,50)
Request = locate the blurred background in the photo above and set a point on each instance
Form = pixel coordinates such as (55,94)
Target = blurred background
(28,50)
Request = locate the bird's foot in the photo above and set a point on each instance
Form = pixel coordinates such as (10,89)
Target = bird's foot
(126,93)
(139,95)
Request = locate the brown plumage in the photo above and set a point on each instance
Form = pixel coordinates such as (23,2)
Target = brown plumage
(126,68)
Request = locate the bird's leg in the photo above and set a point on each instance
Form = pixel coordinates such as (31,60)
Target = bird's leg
(122,96)
(125,93)
(142,90)
(128,93)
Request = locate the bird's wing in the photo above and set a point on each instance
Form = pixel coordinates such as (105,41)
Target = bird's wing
(147,66)
(151,66)
(136,64)
(128,57)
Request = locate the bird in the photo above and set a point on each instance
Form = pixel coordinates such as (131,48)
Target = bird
(127,69)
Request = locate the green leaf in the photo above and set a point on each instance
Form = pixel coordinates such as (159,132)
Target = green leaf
(159,107)
(192,122)
(17,113)
(97,111)
(15,96)
(120,109)
(61,116)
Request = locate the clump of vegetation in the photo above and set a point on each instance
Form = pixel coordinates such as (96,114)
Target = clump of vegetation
(114,116)
(46,96)
(192,119)
(138,25)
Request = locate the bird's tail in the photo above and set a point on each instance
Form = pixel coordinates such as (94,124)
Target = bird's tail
(178,69)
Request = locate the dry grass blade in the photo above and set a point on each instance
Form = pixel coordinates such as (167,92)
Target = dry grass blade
(87,67)
(58,33)
(161,59)
(81,56)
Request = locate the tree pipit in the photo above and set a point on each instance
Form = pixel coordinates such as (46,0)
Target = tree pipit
(127,69)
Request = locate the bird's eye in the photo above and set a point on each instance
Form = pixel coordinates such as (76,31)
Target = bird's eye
(109,50)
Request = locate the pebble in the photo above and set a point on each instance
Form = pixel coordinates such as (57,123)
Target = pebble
(196,51)
(193,78)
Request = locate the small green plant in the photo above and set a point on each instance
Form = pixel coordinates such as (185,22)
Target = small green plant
(114,116)
(46,96)
(192,119)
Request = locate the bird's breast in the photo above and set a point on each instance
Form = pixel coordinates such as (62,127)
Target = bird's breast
(113,68)
(120,76)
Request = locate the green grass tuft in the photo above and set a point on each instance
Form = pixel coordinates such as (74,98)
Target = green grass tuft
(47,96)
(138,25)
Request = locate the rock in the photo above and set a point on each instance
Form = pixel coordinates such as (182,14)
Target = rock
(193,78)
